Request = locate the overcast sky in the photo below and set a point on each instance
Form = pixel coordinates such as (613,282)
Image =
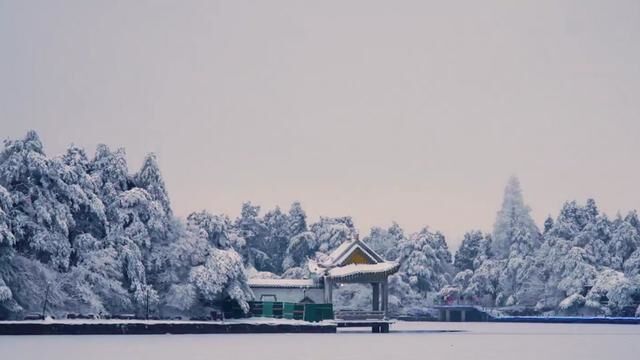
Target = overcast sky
(412,111)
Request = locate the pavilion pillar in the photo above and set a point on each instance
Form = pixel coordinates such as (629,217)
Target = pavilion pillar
(385,296)
(328,291)
(376,296)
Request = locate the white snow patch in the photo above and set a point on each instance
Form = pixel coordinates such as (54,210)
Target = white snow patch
(353,269)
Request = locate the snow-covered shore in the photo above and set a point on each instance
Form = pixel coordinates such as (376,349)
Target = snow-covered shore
(151,327)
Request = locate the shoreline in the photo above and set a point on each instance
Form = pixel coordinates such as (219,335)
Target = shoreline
(158,327)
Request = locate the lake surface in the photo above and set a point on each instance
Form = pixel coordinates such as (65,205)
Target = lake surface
(421,340)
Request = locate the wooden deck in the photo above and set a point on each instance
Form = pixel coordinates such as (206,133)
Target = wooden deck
(357,318)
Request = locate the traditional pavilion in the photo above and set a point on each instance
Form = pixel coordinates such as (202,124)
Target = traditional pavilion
(355,262)
(352,262)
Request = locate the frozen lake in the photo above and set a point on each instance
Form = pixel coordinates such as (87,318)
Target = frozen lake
(406,341)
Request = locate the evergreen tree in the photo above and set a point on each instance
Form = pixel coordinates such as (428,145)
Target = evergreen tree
(252,229)
(150,179)
(468,251)
(425,261)
(42,199)
(514,225)
(385,241)
(7,239)
(301,243)
(198,273)
(276,239)
(301,247)
(217,229)
(548,224)
(624,241)
(331,232)
(297,220)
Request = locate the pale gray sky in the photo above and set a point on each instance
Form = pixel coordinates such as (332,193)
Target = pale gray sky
(413,111)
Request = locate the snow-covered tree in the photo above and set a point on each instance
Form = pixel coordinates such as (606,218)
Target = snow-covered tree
(297,220)
(217,228)
(385,241)
(469,250)
(45,196)
(486,282)
(276,240)
(301,247)
(514,225)
(331,232)
(425,261)
(150,179)
(88,210)
(201,253)
(7,239)
(222,275)
(612,292)
(625,240)
(94,284)
(110,173)
(97,239)
(252,229)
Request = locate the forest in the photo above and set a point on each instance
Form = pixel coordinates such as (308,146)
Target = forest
(93,237)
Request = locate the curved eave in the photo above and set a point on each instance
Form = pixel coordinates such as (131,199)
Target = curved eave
(357,272)
(284,283)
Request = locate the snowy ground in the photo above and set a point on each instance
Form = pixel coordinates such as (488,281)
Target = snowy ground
(406,341)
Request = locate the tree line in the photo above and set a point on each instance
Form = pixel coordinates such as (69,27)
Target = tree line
(94,237)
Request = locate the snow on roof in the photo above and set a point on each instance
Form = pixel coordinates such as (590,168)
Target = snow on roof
(335,254)
(283,283)
(342,252)
(315,268)
(386,268)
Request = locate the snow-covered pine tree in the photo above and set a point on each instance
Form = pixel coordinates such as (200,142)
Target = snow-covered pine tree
(485,282)
(276,240)
(201,269)
(468,251)
(217,228)
(425,261)
(222,275)
(150,179)
(7,239)
(138,225)
(251,228)
(625,240)
(385,241)
(301,242)
(301,247)
(110,173)
(331,232)
(88,210)
(95,282)
(41,221)
(297,220)
(514,225)
(574,251)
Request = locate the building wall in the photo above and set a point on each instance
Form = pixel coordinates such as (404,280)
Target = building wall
(294,295)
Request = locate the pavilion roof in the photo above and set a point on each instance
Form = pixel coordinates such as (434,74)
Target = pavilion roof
(283,283)
(339,264)
(357,271)
(342,253)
